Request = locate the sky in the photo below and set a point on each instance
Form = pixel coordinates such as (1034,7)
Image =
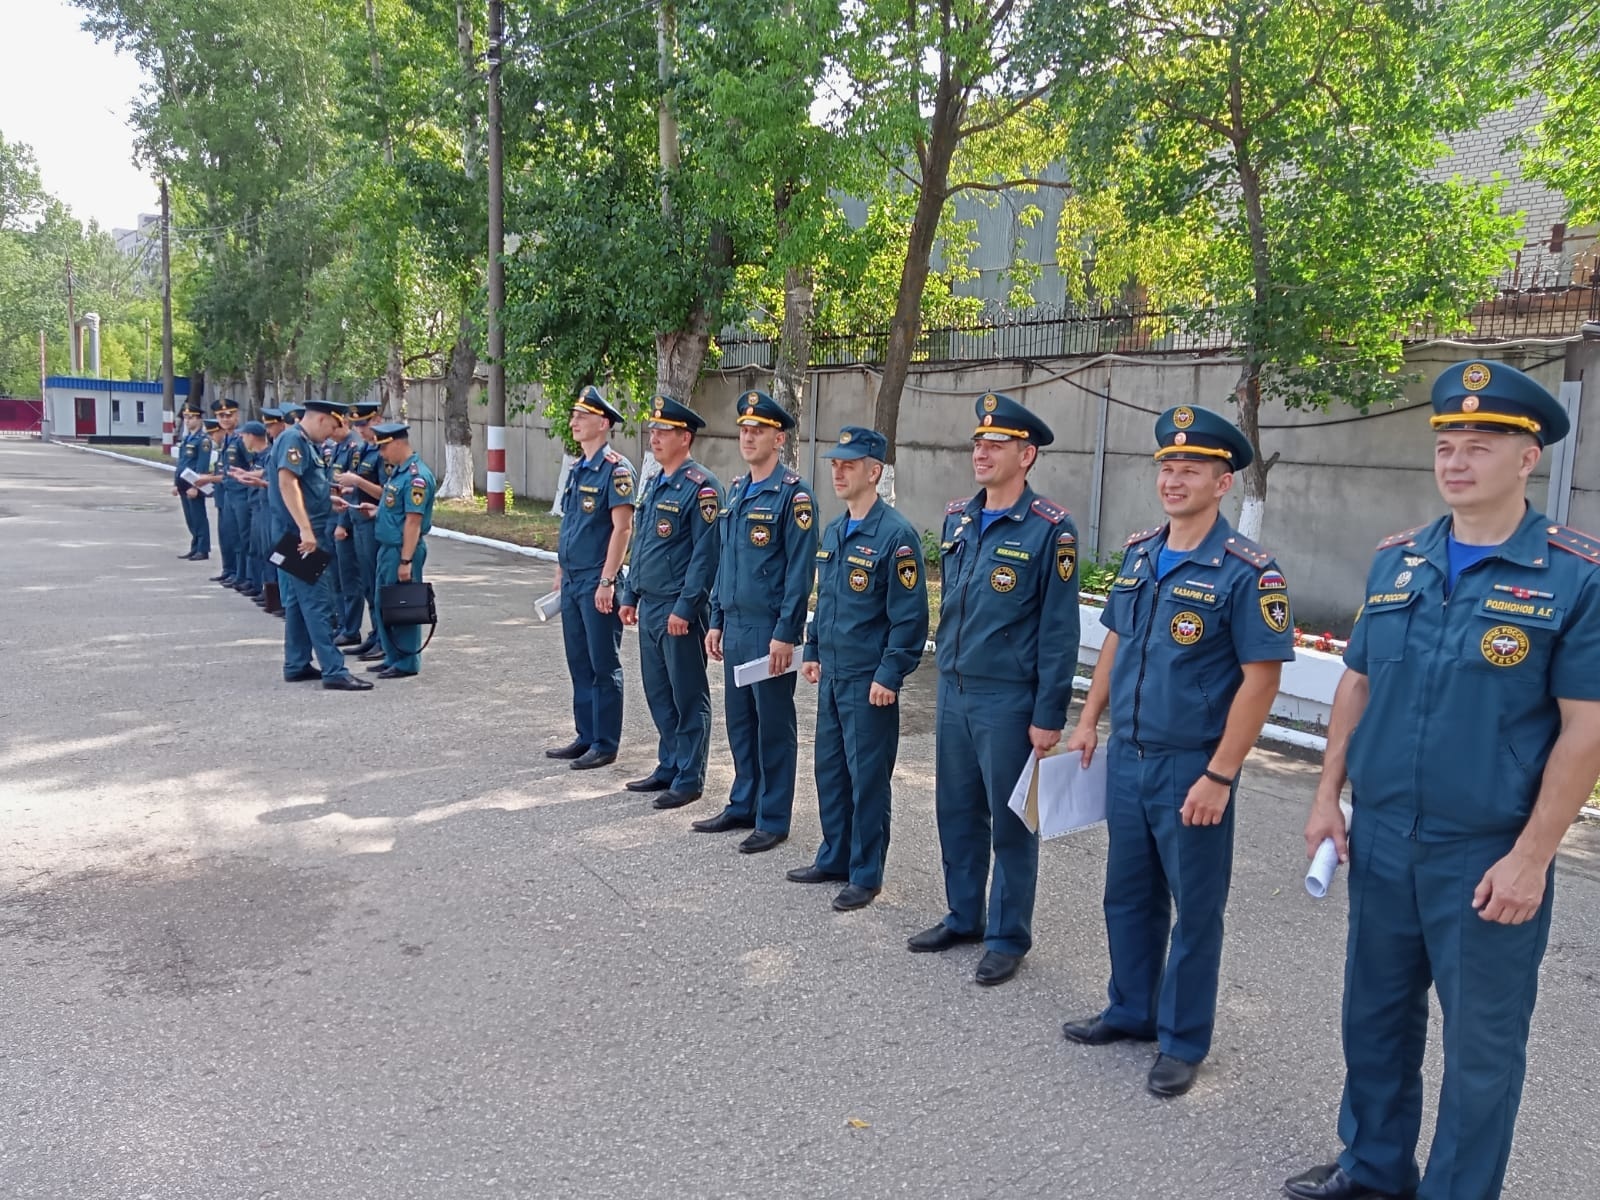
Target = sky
(69,97)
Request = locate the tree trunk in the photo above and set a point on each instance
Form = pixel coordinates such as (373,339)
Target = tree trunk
(1248,393)
(794,340)
(943,135)
(1248,398)
(392,388)
(458,481)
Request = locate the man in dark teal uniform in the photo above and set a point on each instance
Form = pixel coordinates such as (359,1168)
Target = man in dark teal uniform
(298,496)
(1007,652)
(1199,629)
(232,503)
(596,521)
(402,518)
(362,481)
(1468,724)
(867,636)
(765,568)
(191,449)
(261,514)
(667,594)
(252,478)
(352,599)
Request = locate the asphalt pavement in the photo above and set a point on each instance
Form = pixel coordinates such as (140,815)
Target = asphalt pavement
(266,942)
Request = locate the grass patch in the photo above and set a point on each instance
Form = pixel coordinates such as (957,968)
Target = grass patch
(524,523)
(153,453)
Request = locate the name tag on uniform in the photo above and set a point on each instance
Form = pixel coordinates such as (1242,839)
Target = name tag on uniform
(1379,601)
(824,555)
(1527,612)
(671,508)
(1008,552)
(1183,591)
(858,561)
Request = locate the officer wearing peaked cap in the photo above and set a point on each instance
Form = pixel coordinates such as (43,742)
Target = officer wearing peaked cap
(596,521)
(192,446)
(1007,652)
(232,501)
(765,569)
(346,457)
(1198,627)
(667,594)
(1468,724)
(361,483)
(868,634)
(402,520)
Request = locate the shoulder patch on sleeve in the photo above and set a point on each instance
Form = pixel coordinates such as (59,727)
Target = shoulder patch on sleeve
(1574,541)
(956,506)
(1396,539)
(708,491)
(695,475)
(1242,547)
(1144,535)
(1049,510)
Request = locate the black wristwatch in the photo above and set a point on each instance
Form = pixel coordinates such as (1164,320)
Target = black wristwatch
(406,562)
(1218,778)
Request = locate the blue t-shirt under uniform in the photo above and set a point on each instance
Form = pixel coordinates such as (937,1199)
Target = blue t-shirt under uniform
(1167,559)
(990,516)
(851,524)
(1463,556)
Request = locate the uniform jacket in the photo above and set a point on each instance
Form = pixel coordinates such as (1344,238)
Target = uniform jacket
(675,541)
(766,558)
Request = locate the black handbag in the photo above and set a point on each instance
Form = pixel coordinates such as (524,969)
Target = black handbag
(409,603)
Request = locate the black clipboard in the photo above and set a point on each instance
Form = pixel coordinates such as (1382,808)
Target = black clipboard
(286,554)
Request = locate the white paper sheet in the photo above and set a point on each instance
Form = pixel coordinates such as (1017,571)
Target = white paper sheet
(1323,865)
(1057,794)
(548,605)
(757,669)
(189,476)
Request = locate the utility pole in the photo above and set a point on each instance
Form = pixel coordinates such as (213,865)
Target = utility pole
(167,386)
(74,357)
(495,434)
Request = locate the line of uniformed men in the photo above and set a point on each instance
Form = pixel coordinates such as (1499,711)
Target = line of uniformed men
(1451,877)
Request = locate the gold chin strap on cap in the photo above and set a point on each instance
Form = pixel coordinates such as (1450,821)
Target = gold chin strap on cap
(669,423)
(1191,448)
(1526,424)
(1011,433)
(755,420)
(582,406)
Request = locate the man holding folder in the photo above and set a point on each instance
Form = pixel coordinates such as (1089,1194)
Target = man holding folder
(1205,617)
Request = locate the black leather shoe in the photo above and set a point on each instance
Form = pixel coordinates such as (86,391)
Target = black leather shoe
(377,668)
(761,840)
(189,557)
(812,874)
(673,798)
(940,937)
(366,647)
(852,897)
(573,749)
(347,639)
(202,558)
(1096,1032)
(395,673)
(650,783)
(303,675)
(1171,1076)
(220,578)
(722,823)
(996,967)
(592,758)
(376,655)
(346,683)
(1331,1183)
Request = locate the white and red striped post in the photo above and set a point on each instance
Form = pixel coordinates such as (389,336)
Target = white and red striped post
(166,433)
(496,440)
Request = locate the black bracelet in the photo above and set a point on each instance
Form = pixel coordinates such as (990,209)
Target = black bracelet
(1222,779)
(406,562)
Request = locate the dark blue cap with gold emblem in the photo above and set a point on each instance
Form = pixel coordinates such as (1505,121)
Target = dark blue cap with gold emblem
(856,442)
(1494,398)
(272,413)
(224,405)
(1002,419)
(758,408)
(591,401)
(292,411)
(210,423)
(363,411)
(332,407)
(191,408)
(391,431)
(1197,433)
(667,413)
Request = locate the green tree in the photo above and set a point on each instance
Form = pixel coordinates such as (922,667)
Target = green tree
(1261,170)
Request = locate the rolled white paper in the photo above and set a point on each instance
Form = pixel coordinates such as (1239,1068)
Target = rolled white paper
(1323,865)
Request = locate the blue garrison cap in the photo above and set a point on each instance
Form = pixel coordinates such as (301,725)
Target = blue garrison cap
(390,431)
(332,407)
(1002,419)
(1185,432)
(224,405)
(758,408)
(856,442)
(255,427)
(591,401)
(667,413)
(1495,398)
(272,412)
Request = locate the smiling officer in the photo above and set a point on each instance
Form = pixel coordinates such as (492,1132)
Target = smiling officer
(1007,652)
(1198,629)
(1468,724)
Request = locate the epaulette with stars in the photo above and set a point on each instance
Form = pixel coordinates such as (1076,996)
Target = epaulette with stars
(1574,541)
(1144,535)
(1403,538)
(695,475)
(611,456)
(956,506)
(1243,547)
(1049,510)
(790,478)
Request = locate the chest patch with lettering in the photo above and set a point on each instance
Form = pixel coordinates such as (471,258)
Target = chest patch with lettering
(664,528)
(588,504)
(1002,579)
(760,535)
(859,580)
(1504,645)
(1187,628)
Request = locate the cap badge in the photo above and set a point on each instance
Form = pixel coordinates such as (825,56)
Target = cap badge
(988,420)
(990,404)
(1469,405)
(844,438)
(1183,417)
(1180,438)
(1475,378)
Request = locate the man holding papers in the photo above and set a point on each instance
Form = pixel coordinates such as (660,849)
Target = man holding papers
(1199,631)
(765,568)
(867,636)
(1008,649)
(667,594)
(1468,721)
(191,446)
